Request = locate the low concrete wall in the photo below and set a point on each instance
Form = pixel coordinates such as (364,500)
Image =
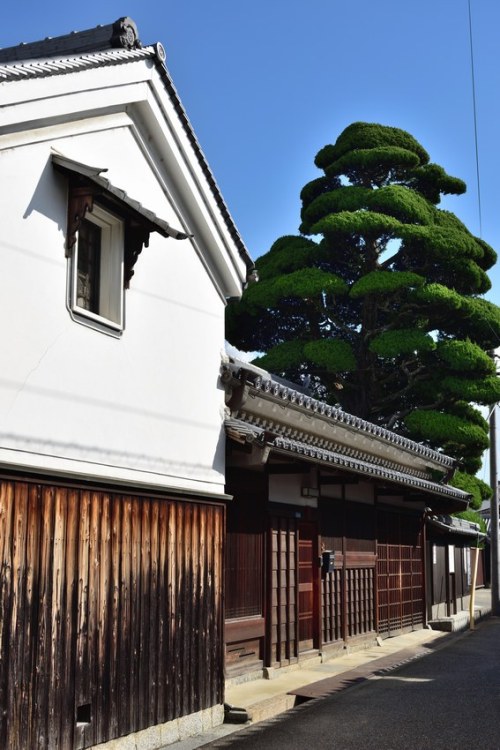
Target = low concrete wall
(439,610)
(155,738)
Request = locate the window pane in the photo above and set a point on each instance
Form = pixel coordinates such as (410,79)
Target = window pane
(88,266)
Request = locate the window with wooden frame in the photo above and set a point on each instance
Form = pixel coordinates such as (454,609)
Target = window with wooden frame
(107,231)
(97,269)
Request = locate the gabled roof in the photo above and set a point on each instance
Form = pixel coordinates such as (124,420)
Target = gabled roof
(284,421)
(114,44)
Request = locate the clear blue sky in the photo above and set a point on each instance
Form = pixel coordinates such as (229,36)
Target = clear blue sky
(267,83)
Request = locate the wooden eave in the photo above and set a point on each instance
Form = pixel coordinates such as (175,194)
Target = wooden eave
(86,185)
(280,420)
(273,406)
(90,178)
(417,487)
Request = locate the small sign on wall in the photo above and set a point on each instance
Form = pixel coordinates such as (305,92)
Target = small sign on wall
(468,569)
(451,558)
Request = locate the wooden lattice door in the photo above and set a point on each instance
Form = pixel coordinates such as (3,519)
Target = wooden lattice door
(282,630)
(308,595)
(399,573)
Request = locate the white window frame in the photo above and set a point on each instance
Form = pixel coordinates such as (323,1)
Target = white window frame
(111,314)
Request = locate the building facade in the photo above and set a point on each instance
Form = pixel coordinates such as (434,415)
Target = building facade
(119,253)
(326,532)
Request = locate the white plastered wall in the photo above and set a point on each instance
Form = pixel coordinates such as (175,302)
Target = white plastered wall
(145,408)
(287,488)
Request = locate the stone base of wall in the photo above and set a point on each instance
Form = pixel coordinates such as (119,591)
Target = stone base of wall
(155,738)
(439,610)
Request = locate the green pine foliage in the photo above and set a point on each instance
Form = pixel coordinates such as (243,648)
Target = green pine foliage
(385,282)
(282,357)
(331,355)
(479,390)
(404,341)
(479,490)
(378,299)
(445,429)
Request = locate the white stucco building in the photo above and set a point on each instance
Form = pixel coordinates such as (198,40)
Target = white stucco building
(118,256)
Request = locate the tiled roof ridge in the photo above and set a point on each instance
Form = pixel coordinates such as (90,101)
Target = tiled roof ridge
(256,428)
(356,464)
(266,384)
(121,33)
(359,463)
(456,525)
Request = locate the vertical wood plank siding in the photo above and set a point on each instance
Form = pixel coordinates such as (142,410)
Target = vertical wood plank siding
(110,612)
(244,551)
(446,587)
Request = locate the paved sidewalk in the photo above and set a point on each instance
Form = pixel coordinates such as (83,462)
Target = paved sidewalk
(445,701)
(267,698)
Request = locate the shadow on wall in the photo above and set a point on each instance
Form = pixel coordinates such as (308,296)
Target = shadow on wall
(50,198)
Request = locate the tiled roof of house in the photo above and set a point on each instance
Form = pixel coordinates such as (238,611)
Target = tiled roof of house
(456,526)
(356,463)
(280,429)
(119,34)
(267,384)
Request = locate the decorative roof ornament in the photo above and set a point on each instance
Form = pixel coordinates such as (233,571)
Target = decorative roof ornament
(160,52)
(125,34)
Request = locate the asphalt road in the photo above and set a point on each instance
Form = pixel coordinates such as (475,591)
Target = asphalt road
(448,699)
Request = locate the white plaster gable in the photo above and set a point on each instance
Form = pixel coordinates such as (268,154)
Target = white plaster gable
(130,91)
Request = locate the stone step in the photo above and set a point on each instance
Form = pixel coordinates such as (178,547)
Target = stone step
(457,622)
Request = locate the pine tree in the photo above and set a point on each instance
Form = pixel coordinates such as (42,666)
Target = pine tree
(378,302)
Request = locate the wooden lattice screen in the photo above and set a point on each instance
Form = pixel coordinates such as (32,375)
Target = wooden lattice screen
(283,632)
(399,572)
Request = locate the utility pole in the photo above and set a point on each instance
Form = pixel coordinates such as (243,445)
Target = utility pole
(494,535)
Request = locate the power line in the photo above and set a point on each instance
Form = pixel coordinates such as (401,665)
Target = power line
(474,108)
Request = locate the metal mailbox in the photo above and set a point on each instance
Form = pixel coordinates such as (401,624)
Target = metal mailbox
(327,561)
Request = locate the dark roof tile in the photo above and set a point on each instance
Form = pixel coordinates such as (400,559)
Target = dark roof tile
(122,33)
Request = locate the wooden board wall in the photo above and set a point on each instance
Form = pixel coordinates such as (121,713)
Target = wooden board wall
(110,613)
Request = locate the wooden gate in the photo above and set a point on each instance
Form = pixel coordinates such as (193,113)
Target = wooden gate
(399,573)
(348,591)
(110,613)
